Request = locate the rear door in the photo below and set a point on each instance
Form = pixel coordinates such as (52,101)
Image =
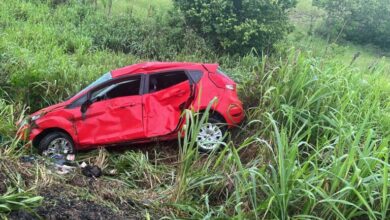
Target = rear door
(114,116)
(168,94)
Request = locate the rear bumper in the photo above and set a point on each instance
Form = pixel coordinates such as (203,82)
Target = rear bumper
(231,109)
(235,113)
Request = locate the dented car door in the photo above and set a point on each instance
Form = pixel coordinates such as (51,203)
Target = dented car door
(115,114)
(167,96)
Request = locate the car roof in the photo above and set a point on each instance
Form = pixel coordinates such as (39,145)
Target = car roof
(149,67)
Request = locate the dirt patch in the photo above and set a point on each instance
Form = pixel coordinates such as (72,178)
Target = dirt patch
(57,209)
(3,186)
(62,201)
(59,204)
(22,215)
(73,209)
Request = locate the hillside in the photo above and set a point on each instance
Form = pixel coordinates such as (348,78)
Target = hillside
(314,143)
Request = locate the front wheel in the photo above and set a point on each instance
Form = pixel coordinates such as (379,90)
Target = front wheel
(211,135)
(56,144)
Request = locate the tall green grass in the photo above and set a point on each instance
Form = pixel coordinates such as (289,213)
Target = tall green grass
(325,127)
(314,144)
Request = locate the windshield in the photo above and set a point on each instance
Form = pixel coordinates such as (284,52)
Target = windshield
(102,79)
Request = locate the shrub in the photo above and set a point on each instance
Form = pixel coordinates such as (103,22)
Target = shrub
(364,22)
(160,37)
(236,27)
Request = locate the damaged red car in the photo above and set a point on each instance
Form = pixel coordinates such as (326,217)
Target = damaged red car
(138,103)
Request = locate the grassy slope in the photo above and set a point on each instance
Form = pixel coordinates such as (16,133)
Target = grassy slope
(141,7)
(306,17)
(298,96)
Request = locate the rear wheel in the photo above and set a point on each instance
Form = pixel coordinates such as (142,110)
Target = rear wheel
(56,144)
(211,135)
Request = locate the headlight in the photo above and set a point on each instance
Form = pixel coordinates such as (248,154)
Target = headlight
(36,117)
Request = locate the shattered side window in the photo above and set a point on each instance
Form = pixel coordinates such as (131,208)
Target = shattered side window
(100,80)
(79,101)
(162,81)
(128,87)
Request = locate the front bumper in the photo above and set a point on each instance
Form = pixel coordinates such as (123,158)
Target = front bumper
(27,131)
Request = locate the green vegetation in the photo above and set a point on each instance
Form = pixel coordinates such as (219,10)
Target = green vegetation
(365,22)
(236,27)
(12,200)
(314,144)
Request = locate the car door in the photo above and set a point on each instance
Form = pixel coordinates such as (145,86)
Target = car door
(115,114)
(168,94)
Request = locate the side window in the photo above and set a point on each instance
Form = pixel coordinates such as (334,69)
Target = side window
(128,87)
(78,102)
(160,81)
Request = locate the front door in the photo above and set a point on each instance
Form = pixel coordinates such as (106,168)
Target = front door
(168,94)
(115,114)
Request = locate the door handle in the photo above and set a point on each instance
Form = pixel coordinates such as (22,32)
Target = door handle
(130,105)
(125,105)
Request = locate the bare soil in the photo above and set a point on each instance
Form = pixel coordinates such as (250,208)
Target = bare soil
(3,186)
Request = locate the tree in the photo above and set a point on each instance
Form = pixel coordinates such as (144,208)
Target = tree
(361,21)
(237,26)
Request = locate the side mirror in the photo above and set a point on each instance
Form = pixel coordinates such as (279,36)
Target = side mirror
(85,106)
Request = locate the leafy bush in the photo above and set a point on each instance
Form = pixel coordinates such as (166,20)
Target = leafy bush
(158,38)
(236,27)
(361,21)
(14,200)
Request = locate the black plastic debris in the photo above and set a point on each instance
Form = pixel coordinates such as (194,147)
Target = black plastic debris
(58,159)
(28,159)
(91,171)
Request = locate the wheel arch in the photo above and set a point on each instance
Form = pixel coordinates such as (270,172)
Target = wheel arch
(214,113)
(40,136)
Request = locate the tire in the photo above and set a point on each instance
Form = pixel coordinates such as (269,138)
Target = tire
(211,132)
(56,143)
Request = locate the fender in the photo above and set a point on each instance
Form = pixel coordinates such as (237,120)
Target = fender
(54,122)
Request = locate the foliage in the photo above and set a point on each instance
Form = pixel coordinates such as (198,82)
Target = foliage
(236,27)
(364,22)
(57,51)
(328,158)
(13,200)
(314,145)
(155,38)
(136,170)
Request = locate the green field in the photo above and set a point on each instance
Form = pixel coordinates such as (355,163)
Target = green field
(314,144)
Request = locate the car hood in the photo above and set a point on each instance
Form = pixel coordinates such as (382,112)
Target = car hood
(50,108)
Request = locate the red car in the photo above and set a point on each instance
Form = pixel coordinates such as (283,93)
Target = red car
(137,103)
